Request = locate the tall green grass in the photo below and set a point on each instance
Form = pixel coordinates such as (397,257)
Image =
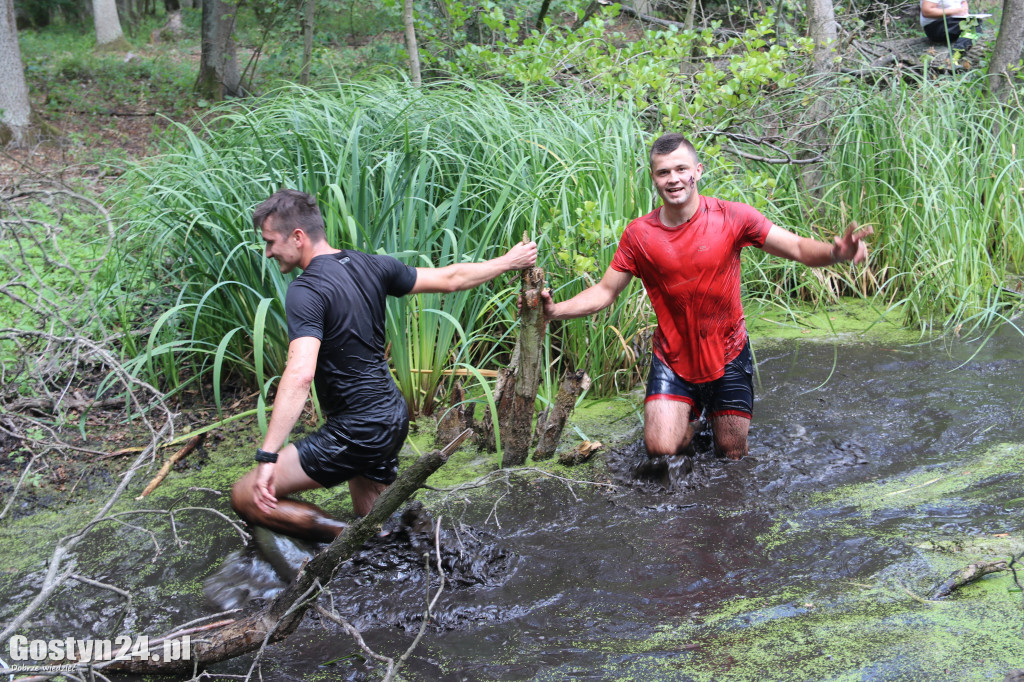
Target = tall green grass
(459,171)
(938,170)
(451,173)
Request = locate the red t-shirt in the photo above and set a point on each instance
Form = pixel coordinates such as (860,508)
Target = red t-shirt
(692,274)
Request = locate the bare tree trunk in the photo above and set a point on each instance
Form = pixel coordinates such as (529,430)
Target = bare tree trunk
(823,29)
(173,28)
(543,13)
(218,65)
(691,14)
(1008,46)
(309,9)
(108,26)
(519,395)
(643,6)
(410,42)
(16,121)
(550,431)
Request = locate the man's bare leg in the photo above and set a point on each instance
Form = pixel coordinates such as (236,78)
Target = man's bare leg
(364,493)
(730,433)
(668,435)
(292,517)
(667,427)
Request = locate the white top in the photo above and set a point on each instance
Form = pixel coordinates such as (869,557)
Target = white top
(943,4)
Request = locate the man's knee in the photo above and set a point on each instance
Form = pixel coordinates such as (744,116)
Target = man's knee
(242,498)
(733,448)
(658,446)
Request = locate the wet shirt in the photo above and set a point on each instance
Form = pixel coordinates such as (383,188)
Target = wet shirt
(341,300)
(692,274)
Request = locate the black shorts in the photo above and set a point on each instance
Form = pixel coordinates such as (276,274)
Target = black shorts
(732,393)
(329,456)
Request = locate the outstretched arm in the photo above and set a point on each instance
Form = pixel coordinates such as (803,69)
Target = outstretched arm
(468,275)
(590,300)
(810,252)
(292,392)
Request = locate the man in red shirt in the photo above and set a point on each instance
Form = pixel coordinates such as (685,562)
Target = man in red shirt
(687,253)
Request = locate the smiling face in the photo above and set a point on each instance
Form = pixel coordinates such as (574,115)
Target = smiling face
(284,247)
(675,176)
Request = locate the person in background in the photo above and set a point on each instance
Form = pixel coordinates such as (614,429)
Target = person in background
(942,22)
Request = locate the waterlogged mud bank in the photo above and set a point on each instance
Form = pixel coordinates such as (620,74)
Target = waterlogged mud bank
(875,471)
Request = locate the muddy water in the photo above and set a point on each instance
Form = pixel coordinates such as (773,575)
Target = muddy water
(803,561)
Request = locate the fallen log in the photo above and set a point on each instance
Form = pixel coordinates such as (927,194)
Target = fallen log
(964,576)
(282,616)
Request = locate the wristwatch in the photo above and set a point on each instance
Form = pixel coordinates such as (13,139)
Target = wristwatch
(264,456)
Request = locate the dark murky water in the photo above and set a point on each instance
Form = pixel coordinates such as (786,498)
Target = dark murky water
(548,582)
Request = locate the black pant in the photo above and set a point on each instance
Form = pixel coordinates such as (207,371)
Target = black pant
(947,32)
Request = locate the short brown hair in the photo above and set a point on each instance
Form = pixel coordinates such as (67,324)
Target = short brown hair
(668,143)
(291,209)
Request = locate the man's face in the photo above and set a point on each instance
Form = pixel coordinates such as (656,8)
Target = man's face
(282,247)
(675,176)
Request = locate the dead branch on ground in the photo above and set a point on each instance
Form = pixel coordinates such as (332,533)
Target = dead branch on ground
(191,445)
(965,576)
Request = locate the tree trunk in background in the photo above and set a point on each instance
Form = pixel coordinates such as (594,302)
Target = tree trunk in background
(108,26)
(410,43)
(691,13)
(644,6)
(822,27)
(1008,46)
(543,13)
(309,9)
(218,65)
(16,121)
(173,10)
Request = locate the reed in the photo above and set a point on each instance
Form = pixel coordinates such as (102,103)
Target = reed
(453,173)
(934,167)
(460,171)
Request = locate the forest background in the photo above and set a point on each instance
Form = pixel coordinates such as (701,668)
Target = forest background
(444,131)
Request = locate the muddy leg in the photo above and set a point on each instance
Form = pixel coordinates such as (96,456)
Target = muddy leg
(364,493)
(668,435)
(292,517)
(730,434)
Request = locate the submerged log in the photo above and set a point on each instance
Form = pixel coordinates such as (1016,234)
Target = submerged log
(282,616)
(518,397)
(967,575)
(549,429)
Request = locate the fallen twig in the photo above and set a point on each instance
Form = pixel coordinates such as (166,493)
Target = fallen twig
(192,444)
(968,575)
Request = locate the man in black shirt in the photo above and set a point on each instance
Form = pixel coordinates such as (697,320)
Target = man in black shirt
(336,311)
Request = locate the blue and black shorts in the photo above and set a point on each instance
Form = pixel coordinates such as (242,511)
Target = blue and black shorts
(732,393)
